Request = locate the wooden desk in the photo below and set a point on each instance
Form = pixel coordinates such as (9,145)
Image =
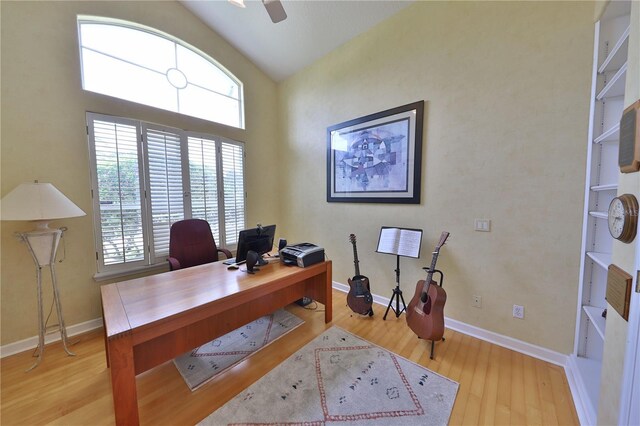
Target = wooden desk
(153,319)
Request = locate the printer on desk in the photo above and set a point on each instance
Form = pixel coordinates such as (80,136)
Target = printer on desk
(303,254)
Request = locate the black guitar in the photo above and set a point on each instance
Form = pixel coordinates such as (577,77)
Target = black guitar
(359,298)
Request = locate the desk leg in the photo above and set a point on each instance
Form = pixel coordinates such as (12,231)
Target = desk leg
(328,306)
(106,340)
(123,380)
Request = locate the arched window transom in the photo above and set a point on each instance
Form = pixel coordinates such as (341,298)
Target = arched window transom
(140,64)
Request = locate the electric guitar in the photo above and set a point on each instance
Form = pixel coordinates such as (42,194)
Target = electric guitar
(359,298)
(425,313)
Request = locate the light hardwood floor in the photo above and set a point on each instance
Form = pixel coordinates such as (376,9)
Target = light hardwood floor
(497,385)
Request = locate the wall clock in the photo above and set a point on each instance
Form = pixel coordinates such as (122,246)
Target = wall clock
(623,217)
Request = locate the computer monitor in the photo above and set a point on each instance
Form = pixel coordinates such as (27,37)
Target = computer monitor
(258,239)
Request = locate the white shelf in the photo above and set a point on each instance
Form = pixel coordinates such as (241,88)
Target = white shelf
(615,86)
(605,187)
(595,316)
(610,135)
(599,215)
(618,54)
(602,259)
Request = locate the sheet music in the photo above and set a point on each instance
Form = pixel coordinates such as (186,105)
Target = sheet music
(400,241)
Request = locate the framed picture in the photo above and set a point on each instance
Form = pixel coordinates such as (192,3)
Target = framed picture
(376,158)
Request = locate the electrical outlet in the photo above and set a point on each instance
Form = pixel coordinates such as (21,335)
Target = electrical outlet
(518,311)
(476,302)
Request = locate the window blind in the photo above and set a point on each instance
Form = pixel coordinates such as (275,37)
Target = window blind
(120,205)
(165,185)
(234,196)
(203,177)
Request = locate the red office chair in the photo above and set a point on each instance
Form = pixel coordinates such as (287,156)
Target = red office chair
(191,243)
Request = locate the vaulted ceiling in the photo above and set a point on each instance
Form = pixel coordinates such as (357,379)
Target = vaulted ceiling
(312,28)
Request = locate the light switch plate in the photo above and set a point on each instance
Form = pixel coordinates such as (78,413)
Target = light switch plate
(482,225)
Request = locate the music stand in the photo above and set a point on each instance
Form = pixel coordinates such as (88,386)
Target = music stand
(401,242)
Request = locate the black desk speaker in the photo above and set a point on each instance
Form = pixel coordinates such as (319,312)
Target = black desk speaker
(252,259)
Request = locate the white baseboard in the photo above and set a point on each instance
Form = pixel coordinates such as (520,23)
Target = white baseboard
(32,342)
(508,342)
(578,390)
(495,338)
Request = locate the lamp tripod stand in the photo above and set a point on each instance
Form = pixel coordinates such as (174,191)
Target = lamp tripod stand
(397,294)
(43,246)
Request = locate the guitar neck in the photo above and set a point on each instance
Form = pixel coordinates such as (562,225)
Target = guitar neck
(355,259)
(434,259)
(433,266)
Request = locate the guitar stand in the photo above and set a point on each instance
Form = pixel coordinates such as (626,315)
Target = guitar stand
(397,295)
(439,282)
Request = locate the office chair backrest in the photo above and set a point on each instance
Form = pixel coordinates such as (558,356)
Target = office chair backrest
(191,243)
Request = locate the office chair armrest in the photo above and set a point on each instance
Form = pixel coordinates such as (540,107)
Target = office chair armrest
(173,263)
(225,252)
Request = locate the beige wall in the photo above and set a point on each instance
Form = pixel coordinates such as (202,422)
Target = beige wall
(43,137)
(506,87)
(623,254)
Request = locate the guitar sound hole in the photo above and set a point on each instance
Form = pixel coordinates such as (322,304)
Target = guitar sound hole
(424,297)
(427,305)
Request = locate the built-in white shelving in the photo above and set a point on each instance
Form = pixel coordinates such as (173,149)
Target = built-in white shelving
(617,56)
(590,369)
(601,183)
(602,259)
(605,187)
(615,84)
(595,316)
(598,215)
(612,134)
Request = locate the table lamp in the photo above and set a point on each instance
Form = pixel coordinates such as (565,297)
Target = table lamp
(41,203)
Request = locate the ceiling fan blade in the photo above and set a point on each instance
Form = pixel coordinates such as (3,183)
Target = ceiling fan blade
(275,10)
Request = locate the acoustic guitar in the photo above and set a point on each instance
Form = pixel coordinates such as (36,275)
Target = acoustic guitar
(359,297)
(425,313)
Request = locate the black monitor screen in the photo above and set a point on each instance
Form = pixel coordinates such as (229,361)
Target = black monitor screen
(259,239)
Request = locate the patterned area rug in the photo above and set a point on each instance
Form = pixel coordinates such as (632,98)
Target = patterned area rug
(340,378)
(202,364)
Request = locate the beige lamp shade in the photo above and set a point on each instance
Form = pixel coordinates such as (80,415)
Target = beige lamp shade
(40,202)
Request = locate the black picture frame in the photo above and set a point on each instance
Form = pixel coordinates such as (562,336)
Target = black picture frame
(377,158)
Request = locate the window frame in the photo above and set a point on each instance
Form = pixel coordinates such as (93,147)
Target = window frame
(151,260)
(99,20)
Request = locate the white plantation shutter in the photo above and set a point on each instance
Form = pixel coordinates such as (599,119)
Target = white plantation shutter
(117,202)
(140,189)
(164,168)
(203,178)
(233,183)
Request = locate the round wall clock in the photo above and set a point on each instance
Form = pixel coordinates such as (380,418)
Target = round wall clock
(623,217)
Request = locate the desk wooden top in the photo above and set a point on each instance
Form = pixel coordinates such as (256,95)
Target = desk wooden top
(141,302)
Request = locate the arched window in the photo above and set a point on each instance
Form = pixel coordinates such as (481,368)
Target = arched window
(140,64)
